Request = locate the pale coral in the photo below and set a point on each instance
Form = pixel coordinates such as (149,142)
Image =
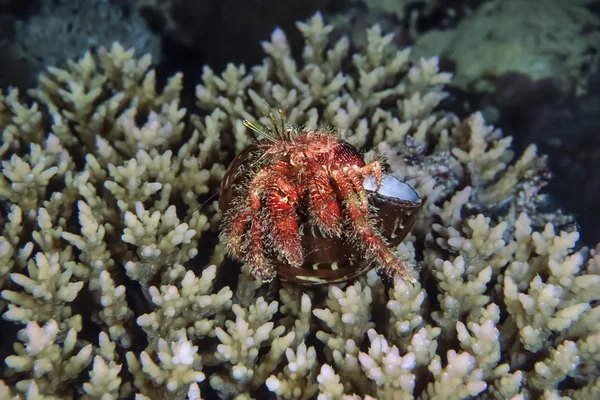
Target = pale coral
(118,235)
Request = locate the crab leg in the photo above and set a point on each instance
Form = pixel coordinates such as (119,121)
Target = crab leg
(369,239)
(234,235)
(354,176)
(255,256)
(324,206)
(283,227)
(357,174)
(372,168)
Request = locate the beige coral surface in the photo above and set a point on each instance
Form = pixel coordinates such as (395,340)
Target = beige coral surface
(113,284)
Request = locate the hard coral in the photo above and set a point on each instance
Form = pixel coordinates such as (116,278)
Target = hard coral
(99,263)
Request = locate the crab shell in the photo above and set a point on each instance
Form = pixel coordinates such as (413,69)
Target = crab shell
(330,260)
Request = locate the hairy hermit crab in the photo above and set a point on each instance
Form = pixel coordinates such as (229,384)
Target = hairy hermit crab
(304,205)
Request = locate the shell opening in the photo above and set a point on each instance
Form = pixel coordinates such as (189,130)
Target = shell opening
(392,187)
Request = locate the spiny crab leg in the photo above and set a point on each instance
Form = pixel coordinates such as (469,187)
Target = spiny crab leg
(358,174)
(261,268)
(373,168)
(354,176)
(235,235)
(282,224)
(372,244)
(324,208)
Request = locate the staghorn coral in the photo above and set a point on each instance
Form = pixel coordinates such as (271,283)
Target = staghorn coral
(113,286)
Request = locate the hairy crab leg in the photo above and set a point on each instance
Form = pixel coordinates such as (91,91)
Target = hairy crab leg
(373,168)
(235,234)
(369,239)
(261,268)
(324,206)
(283,227)
(357,175)
(354,176)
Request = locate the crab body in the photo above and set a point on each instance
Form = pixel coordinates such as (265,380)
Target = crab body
(295,204)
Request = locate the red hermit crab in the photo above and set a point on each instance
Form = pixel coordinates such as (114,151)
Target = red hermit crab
(304,205)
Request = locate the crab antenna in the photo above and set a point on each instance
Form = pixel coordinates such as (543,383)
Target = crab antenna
(261,131)
(276,125)
(282,116)
(285,130)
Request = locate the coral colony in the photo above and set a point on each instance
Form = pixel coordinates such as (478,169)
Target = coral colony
(111,274)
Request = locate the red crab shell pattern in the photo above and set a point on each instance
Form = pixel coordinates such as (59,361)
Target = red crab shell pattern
(305,206)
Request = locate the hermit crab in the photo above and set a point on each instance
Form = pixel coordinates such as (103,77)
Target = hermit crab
(304,206)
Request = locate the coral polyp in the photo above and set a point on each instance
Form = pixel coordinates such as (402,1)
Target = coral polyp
(300,203)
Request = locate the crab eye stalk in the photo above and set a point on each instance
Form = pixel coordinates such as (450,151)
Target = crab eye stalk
(289,134)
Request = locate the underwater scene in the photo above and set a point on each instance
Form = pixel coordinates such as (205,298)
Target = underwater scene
(300,199)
